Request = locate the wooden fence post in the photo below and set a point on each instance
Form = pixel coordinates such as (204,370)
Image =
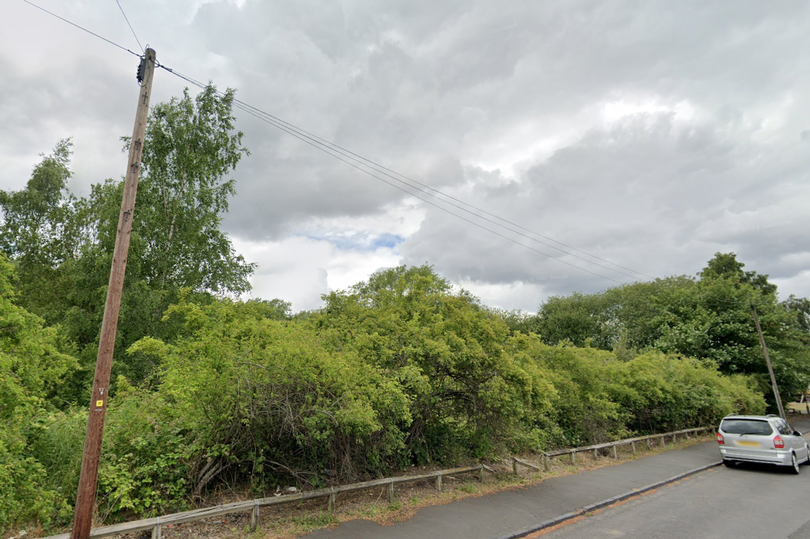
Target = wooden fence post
(481,473)
(546,464)
(595,454)
(254,516)
(663,440)
(332,500)
(633,445)
(573,457)
(514,466)
(439,483)
(157,533)
(615,452)
(391,491)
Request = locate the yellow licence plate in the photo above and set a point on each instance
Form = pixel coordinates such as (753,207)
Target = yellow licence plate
(745,443)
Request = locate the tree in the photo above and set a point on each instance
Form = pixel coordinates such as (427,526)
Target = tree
(799,308)
(726,266)
(468,396)
(578,318)
(39,232)
(63,246)
(190,146)
(708,317)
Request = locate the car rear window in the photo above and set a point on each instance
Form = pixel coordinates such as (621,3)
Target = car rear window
(746,426)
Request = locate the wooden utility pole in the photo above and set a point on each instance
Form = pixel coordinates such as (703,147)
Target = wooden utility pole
(86,494)
(768,362)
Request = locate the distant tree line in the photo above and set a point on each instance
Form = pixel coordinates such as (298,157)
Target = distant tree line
(707,317)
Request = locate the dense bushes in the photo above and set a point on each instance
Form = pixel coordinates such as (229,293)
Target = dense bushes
(706,317)
(397,371)
(600,397)
(31,370)
(393,372)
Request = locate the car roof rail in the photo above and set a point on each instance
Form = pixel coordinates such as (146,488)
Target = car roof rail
(771,415)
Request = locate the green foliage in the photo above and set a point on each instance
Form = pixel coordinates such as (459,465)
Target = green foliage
(601,397)
(57,442)
(38,231)
(398,370)
(63,246)
(575,319)
(146,454)
(31,371)
(34,219)
(395,371)
(190,146)
(264,398)
(709,318)
(24,498)
(469,397)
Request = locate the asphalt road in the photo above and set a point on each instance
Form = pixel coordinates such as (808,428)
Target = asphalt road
(745,503)
(504,513)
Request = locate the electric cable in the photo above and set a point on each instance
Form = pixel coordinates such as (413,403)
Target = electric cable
(382,168)
(330,151)
(128,24)
(82,28)
(335,151)
(320,143)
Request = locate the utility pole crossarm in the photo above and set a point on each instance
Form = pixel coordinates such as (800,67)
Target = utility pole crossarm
(86,494)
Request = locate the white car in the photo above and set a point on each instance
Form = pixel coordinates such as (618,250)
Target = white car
(763,439)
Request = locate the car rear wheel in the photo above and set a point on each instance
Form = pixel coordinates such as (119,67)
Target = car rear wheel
(794,463)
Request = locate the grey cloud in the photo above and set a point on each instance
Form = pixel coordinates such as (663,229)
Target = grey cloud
(639,194)
(434,89)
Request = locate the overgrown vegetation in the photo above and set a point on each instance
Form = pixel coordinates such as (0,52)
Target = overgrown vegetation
(398,370)
(708,317)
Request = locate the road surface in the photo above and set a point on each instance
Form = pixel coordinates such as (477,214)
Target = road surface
(745,503)
(744,491)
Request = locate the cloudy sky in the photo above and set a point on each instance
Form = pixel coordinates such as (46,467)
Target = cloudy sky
(584,143)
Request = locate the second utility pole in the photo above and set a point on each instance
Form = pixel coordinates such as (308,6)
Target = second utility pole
(86,494)
(768,362)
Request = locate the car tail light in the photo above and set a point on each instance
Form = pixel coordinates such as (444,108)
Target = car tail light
(778,442)
(720,439)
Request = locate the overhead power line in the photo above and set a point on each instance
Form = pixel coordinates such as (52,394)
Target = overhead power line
(82,28)
(385,170)
(355,163)
(354,158)
(128,24)
(363,164)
